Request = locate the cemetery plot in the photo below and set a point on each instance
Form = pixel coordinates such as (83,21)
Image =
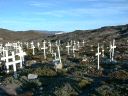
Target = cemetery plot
(73,68)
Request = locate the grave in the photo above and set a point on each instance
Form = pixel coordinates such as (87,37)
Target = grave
(98,56)
(57,61)
(83,43)
(10,58)
(73,50)
(112,47)
(50,46)
(102,51)
(38,45)
(68,48)
(33,48)
(44,49)
(21,54)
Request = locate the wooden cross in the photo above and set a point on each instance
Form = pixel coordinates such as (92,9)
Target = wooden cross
(50,47)
(113,47)
(83,42)
(44,48)
(38,45)
(102,51)
(68,47)
(21,54)
(98,56)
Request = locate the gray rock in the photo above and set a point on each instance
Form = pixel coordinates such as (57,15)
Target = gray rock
(30,62)
(32,76)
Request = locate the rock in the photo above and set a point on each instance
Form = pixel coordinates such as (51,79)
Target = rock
(30,62)
(32,76)
(57,64)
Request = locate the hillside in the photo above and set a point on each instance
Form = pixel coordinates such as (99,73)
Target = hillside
(8,35)
(80,75)
(98,35)
(103,34)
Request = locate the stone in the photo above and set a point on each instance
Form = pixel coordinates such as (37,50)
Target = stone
(31,62)
(32,76)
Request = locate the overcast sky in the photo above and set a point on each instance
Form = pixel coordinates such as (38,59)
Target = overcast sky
(62,15)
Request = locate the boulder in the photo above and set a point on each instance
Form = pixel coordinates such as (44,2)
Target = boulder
(32,76)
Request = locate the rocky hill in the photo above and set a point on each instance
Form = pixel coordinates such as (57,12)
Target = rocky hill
(103,34)
(99,35)
(8,35)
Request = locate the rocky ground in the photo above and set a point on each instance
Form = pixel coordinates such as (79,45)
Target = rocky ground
(77,78)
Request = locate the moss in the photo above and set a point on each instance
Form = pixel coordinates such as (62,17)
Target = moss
(66,90)
(121,74)
(11,80)
(83,83)
(45,72)
(106,90)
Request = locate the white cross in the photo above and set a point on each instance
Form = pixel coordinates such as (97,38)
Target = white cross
(59,53)
(1,46)
(57,42)
(73,49)
(92,48)
(83,42)
(71,42)
(32,43)
(3,52)
(50,47)
(16,47)
(74,43)
(78,44)
(44,48)
(57,61)
(8,46)
(52,53)
(33,48)
(26,43)
(102,51)
(38,45)
(110,50)
(98,55)
(19,44)
(68,47)
(21,54)
(112,47)
(13,62)
(55,55)
(5,55)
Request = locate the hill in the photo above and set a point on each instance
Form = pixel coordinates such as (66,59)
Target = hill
(98,35)
(9,35)
(103,34)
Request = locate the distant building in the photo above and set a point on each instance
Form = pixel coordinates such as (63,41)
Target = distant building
(59,33)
